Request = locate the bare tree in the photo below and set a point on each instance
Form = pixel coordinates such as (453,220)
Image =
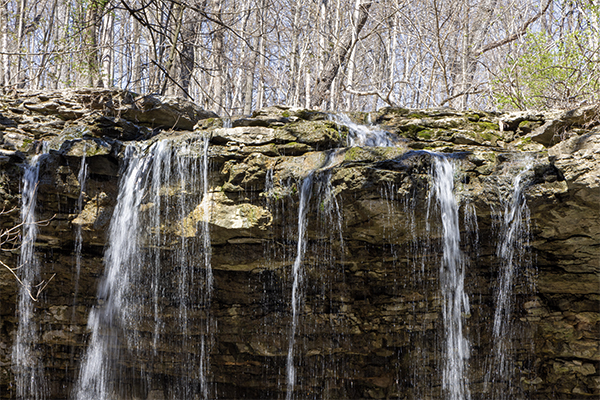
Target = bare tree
(9,241)
(347,42)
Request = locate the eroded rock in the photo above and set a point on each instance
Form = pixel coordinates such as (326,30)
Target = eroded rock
(372,303)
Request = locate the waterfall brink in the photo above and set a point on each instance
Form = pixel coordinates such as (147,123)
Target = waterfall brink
(305,194)
(452,275)
(514,261)
(27,363)
(363,135)
(142,277)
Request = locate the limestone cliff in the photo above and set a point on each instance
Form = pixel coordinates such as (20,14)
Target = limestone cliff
(370,322)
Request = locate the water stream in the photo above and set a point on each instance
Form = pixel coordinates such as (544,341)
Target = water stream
(363,135)
(512,252)
(452,276)
(81,178)
(142,277)
(27,362)
(152,329)
(305,195)
(122,263)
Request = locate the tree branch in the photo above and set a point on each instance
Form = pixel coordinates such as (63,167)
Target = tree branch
(516,35)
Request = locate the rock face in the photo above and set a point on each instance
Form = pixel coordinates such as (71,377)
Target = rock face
(370,322)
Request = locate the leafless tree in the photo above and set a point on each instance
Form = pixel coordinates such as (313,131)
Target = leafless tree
(10,241)
(233,56)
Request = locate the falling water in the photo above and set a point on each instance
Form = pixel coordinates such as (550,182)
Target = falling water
(194,284)
(454,380)
(140,272)
(161,173)
(512,253)
(122,265)
(81,178)
(208,278)
(363,135)
(27,363)
(305,194)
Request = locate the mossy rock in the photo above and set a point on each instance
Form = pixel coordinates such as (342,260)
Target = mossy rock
(372,154)
(408,130)
(526,127)
(293,149)
(211,123)
(319,134)
(426,134)
(392,112)
(309,115)
(487,126)
(491,137)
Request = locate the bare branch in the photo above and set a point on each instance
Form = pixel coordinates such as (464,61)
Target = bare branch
(11,236)
(516,35)
(386,98)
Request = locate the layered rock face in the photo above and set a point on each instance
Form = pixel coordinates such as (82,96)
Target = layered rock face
(232,224)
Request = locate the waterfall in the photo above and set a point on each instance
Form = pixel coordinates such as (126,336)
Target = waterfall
(208,278)
(81,178)
(305,194)
(363,135)
(452,270)
(27,363)
(139,274)
(512,254)
(122,265)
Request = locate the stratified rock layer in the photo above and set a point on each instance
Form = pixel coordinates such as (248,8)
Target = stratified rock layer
(370,325)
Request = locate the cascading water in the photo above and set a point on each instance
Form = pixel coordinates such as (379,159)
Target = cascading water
(305,194)
(452,275)
(28,367)
(122,267)
(378,301)
(363,135)
(512,254)
(138,273)
(81,178)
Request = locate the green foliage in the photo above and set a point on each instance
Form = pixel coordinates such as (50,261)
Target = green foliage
(551,73)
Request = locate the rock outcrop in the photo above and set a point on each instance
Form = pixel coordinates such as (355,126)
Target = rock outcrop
(371,311)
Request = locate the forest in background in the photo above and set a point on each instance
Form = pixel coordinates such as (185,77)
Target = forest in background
(235,56)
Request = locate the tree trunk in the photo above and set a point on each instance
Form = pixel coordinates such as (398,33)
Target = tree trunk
(322,89)
(187,54)
(107,50)
(136,69)
(260,95)
(168,82)
(20,33)
(595,35)
(218,56)
(92,20)
(5,78)
(295,59)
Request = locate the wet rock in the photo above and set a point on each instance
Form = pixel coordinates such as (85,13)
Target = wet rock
(371,304)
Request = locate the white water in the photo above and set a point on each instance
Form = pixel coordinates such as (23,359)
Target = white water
(121,266)
(512,253)
(206,296)
(140,276)
(305,194)
(452,275)
(27,364)
(363,135)
(81,178)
